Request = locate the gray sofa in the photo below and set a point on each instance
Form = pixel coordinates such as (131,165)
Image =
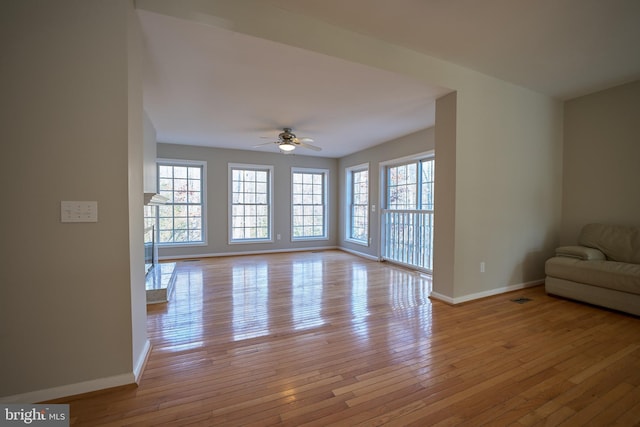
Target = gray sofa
(604,269)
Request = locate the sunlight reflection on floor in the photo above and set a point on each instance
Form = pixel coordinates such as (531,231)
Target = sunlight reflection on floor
(254,297)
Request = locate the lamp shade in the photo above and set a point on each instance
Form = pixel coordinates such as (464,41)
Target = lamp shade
(286,146)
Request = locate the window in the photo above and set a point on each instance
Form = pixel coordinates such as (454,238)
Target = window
(182,220)
(405,191)
(401,187)
(250,204)
(309,204)
(358,204)
(407,220)
(428,176)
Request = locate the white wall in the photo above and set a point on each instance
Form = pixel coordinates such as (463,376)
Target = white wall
(66,300)
(601,160)
(507,155)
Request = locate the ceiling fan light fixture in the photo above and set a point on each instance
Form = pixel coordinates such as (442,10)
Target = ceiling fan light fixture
(287,146)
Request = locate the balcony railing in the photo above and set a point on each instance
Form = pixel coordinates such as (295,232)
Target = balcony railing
(408,237)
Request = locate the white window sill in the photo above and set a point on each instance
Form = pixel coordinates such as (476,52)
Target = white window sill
(181,244)
(358,242)
(252,241)
(308,239)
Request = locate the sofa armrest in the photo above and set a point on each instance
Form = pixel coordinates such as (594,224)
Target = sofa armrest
(580,252)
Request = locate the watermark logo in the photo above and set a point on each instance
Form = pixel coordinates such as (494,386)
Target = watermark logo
(36,415)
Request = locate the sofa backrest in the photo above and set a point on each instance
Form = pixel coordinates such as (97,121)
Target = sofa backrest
(617,242)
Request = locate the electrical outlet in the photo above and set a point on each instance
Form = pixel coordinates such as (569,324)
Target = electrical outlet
(482,267)
(278,237)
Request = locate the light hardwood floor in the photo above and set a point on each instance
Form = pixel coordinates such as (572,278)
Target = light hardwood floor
(328,338)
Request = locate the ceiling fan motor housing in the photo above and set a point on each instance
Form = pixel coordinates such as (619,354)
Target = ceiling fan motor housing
(287,135)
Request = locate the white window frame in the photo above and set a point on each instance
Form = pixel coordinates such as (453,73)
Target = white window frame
(203,199)
(423,204)
(383,194)
(384,166)
(349,204)
(244,166)
(325,202)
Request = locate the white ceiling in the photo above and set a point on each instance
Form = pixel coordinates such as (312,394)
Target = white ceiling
(562,48)
(206,85)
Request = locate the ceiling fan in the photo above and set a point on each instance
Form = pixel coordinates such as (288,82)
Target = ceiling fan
(288,141)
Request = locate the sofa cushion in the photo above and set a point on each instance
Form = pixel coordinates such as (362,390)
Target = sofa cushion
(580,252)
(617,242)
(620,276)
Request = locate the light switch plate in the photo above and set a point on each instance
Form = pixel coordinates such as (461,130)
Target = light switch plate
(73,211)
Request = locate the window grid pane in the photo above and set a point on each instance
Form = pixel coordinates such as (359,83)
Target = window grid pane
(402,187)
(428,179)
(360,205)
(308,199)
(180,220)
(250,208)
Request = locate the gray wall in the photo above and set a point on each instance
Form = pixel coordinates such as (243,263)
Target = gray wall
(445,195)
(136,179)
(217,198)
(66,296)
(150,172)
(601,170)
(415,143)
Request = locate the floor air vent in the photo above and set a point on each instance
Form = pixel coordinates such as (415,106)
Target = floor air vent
(521,300)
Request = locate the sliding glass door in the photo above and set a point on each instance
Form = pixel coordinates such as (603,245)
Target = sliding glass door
(407,217)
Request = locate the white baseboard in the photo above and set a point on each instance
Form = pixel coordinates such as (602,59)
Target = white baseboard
(221,254)
(141,362)
(70,389)
(441,297)
(484,294)
(360,254)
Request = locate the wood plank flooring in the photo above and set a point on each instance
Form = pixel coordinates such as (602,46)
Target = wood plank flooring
(327,338)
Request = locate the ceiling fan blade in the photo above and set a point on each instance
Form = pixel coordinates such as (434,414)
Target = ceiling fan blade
(288,139)
(312,147)
(264,143)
